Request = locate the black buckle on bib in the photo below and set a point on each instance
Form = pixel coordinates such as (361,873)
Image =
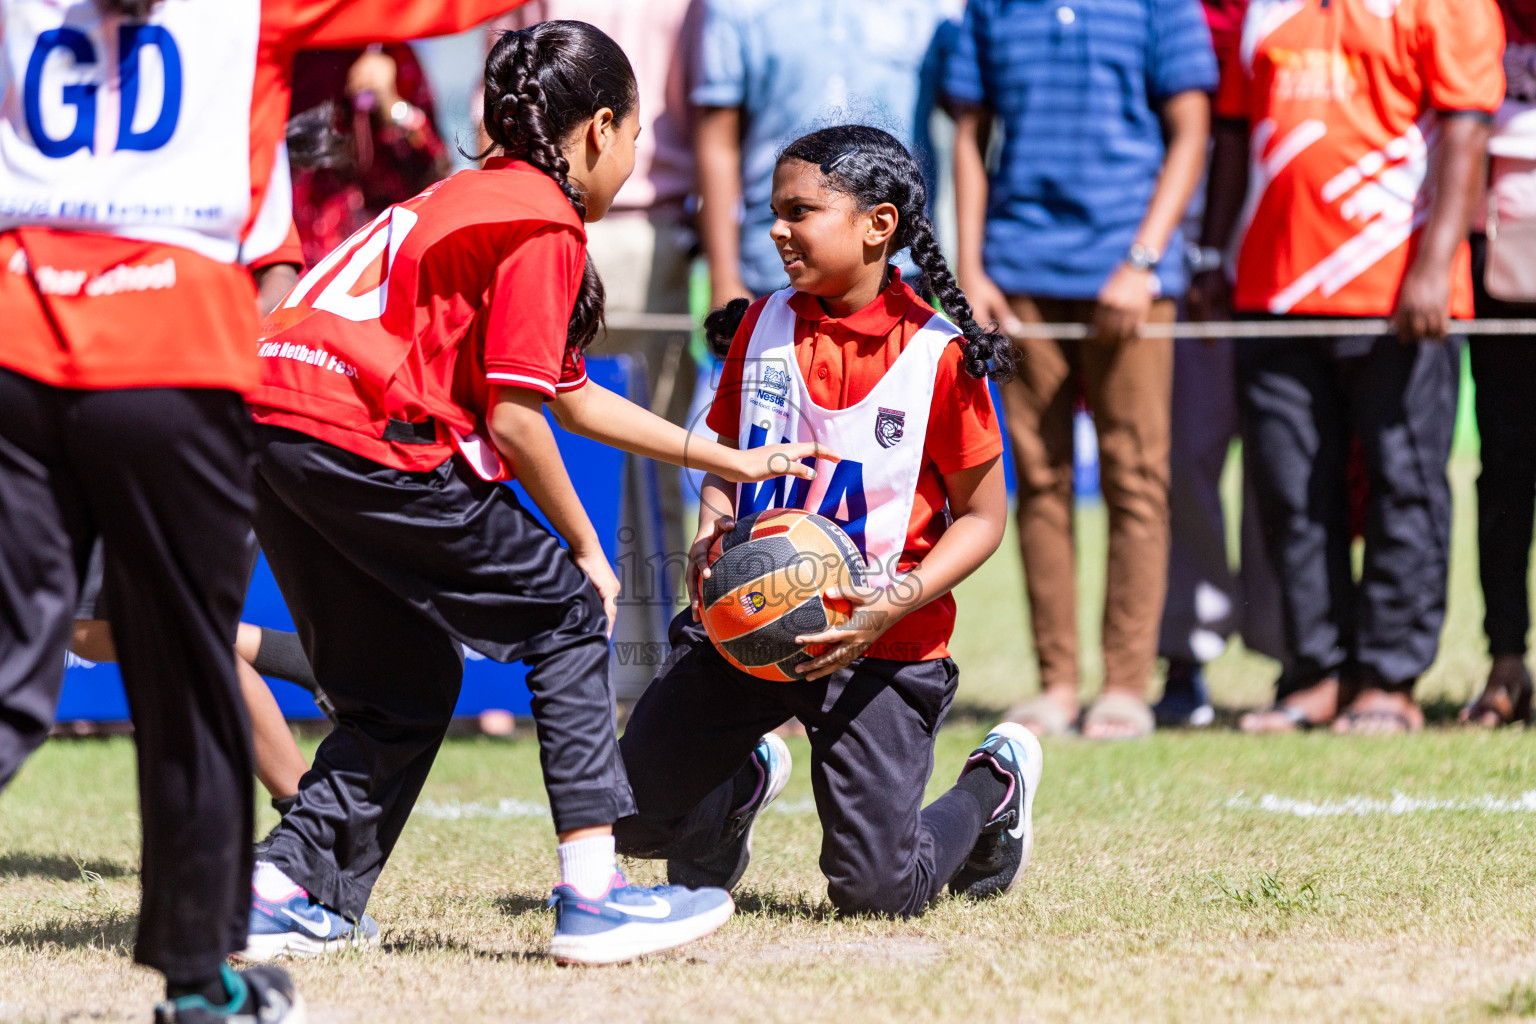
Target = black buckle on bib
(405,432)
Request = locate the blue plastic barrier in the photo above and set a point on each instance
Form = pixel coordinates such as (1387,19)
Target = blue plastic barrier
(95,692)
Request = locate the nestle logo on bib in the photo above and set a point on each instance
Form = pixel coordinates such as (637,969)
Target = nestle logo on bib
(889,426)
(772,389)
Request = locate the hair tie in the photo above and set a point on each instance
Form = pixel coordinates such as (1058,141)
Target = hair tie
(832,165)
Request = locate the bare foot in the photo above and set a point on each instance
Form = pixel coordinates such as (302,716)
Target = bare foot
(1380,713)
(1506,697)
(1316,705)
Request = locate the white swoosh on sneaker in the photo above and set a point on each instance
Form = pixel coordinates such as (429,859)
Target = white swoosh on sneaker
(1018,830)
(658,909)
(319,931)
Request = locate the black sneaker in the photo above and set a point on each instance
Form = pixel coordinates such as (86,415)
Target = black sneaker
(1186,703)
(269,998)
(1007,839)
(724,869)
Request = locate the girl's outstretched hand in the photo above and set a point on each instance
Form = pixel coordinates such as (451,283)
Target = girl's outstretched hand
(875,610)
(754,465)
(594,563)
(698,562)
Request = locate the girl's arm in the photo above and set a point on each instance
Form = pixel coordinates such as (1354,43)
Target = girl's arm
(520,433)
(717,515)
(978,500)
(595,412)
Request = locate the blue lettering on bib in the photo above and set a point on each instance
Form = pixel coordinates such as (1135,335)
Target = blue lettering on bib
(846,488)
(132,41)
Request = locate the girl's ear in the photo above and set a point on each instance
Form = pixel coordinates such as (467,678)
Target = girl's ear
(880,225)
(601,131)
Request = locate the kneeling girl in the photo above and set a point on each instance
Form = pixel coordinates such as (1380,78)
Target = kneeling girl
(848,352)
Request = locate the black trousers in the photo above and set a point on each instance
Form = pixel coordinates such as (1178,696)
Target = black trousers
(163,475)
(871,727)
(386,574)
(1504,370)
(1305,400)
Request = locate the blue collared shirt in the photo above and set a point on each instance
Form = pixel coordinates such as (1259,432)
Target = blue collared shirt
(794,66)
(1076,86)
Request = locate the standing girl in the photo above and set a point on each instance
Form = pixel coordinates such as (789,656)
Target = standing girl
(402,379)
(869,368)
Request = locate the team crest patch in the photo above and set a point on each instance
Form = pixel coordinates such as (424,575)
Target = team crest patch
(753,602)
(889,426)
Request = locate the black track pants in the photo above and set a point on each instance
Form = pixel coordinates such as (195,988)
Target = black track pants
(871,727)
(386,573)
(1304,400)
(163,475)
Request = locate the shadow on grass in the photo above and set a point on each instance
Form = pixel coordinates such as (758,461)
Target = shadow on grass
(112,932)
(22,864)
(772,903)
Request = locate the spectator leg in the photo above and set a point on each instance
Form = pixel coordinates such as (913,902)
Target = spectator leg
(1037,410)
(1298,440)
(1203,602)
(1130,390)
(1504,370)
(1403,404)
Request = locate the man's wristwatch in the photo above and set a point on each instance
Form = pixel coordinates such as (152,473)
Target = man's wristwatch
(1142,257)
(1202,259)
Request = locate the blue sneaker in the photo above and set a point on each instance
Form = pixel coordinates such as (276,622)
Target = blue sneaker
(1007,840)
(627,921)
(261,995)
(725,868)
(300,925)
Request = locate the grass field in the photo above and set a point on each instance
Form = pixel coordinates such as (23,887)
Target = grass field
(1186,878)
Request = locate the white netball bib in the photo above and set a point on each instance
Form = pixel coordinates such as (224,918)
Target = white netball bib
(881,439)
(135,128)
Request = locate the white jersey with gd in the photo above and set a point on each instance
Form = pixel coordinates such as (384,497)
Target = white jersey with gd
(139,128)
(881,439)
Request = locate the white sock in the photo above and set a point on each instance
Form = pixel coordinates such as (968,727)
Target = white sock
(271,884)
(588,865)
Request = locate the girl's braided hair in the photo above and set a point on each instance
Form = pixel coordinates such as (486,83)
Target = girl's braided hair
(873,167)
(540,84)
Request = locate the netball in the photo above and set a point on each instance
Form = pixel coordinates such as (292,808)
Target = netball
(767,585)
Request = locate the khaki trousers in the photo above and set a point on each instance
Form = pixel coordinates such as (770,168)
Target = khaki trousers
(1129,389)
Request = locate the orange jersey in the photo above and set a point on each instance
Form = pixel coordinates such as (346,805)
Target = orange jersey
(1342,97)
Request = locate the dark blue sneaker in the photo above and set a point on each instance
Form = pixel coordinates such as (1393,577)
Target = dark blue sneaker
(1007,839)
(627,921)
(299,925)
(260,995)
(1185,703)
(724,869)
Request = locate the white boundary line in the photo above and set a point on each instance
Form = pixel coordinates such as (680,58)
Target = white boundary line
(1359,806)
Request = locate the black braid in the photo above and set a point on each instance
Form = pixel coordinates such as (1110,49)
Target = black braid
(988,353)
(873,167)
(540,84)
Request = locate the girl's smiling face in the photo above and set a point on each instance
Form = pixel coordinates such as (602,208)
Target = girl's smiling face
(830,248)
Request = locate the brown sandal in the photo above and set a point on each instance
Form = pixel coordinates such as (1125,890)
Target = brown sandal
(1497,701)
